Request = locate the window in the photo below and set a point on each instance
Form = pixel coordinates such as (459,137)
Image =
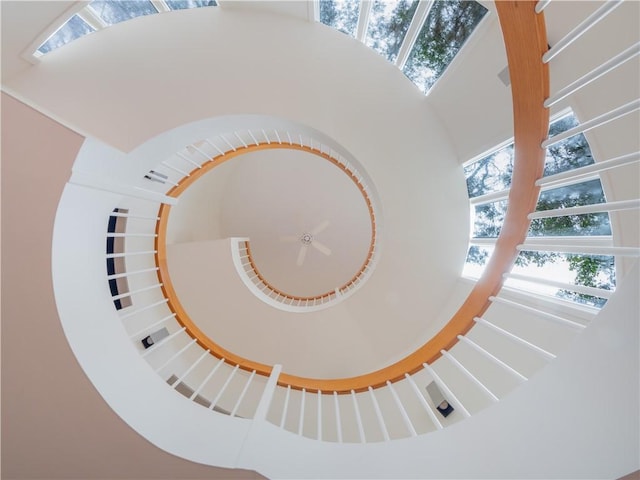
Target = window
(185,4)
(477,258)
(596,271)
(576,195)
(492,175)
(447,27)
(573,152)
(111,12)
(340,14)
(103,13)
(388,25)
(488,219)
(74,28)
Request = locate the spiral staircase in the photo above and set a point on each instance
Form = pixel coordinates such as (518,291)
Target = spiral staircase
(219,390)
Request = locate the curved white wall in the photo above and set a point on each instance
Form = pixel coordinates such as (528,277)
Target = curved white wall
(560,424)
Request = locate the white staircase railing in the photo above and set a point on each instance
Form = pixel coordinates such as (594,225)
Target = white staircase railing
(515,337)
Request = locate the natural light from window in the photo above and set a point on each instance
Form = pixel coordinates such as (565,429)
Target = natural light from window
(491,175)
(446,28)
(388,25)
(427,52)
(100,14)
(340,14)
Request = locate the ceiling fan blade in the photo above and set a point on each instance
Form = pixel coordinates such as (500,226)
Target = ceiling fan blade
(301,254)
(289,238)
(320,227)
(322,248)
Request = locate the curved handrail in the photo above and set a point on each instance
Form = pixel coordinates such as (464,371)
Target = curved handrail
(274,289)
(263,290)
(164,278)
(525,40)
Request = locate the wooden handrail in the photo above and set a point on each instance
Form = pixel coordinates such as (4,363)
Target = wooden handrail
(526,41)
(161,249)
(255,270)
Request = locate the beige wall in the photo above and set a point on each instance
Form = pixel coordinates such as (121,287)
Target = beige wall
(54,423)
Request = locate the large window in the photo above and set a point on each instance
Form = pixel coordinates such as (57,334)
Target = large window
(448,25)
(74,28)
(491,176)
(445,29)
(576,195)
(185,4)
(103,13)
(340,14)
(115,12)
(388,25)
(437,34)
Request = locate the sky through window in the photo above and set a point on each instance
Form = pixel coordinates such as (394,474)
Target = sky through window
(492,173)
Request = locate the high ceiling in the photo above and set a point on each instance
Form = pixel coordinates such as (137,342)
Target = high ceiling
(373,111)
(129,84)
(275,196)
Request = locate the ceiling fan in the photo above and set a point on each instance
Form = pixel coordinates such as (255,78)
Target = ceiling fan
(307,239)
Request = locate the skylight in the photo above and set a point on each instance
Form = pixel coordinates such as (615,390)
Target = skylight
(74,28)
(340,14)
(388,25)
(394,26)
(185,4)
(492,173)
(576,195)
(447,27)
(421,38)
(111,12)
(103,13)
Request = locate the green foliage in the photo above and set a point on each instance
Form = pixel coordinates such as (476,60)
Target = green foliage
(489,219)
(490,174)
(538,259)
(477,255)
(573,152)
(340,14)
(493,173)
(591,271)
(446,28)
(584,193)
(386,32)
